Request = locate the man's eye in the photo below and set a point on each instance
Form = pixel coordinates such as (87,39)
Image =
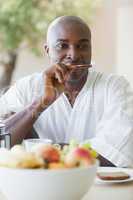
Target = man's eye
(61,46)
(84,46)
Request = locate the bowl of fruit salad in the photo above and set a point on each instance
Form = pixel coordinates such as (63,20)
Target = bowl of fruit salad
(47,172)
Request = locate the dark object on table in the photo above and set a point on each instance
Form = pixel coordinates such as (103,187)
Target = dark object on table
(104,162)
(109,176)
(5,138)
(62,144)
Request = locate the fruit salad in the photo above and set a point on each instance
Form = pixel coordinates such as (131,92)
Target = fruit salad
(49,156)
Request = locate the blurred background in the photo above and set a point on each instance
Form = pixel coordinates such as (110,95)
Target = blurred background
(23,25)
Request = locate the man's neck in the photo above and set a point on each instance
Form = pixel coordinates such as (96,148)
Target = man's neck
(72,92)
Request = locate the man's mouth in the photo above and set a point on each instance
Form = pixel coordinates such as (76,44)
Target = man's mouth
(78,65)
(76,74)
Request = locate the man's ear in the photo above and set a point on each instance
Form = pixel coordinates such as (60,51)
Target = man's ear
(46,49)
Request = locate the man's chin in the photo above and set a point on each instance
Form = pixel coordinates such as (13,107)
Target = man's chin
(72,84)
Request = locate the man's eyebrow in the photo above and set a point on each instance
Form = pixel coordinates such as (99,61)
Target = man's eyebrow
(84,40)
(81,40)
(62,40)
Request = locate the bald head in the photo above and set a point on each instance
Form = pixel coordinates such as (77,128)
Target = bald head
(66,22)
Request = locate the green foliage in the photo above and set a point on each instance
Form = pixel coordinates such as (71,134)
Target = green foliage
(27,20)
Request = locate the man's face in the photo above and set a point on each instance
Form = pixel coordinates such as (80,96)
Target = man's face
(70,44)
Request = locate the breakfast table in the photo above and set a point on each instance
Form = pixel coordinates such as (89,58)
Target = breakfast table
(114,190)
(105,190)
(123,191)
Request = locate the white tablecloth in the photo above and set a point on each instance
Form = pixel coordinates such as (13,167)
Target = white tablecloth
(112,191)
(122,191)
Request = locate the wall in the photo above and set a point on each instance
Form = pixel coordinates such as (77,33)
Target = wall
(28,63)
(125,39)
(104,37)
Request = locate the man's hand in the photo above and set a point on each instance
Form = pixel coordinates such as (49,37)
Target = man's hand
(54,79)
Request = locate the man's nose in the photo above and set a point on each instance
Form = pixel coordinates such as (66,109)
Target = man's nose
(73,53)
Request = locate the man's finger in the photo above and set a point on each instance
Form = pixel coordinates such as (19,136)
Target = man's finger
(85,66)
(59,76)
(63,68)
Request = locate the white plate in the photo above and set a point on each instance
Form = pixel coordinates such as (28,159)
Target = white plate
(115,169)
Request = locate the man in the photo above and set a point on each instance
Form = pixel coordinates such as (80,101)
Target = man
(70,101)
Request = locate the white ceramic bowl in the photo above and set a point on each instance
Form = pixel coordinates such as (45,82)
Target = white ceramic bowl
(40,184)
